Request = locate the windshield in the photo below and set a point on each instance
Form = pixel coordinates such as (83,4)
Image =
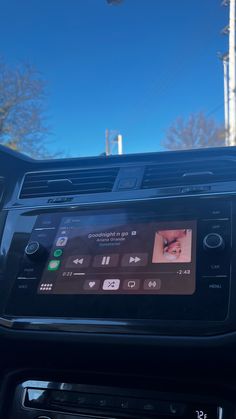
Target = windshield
(101,77)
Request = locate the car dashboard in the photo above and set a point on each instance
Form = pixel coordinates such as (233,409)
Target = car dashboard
(117,286)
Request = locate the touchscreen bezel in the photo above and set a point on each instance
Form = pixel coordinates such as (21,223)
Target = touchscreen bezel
(199,306)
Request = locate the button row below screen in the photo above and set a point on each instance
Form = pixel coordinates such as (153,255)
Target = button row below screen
(113,285)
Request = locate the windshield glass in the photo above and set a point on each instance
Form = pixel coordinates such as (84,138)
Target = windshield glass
(94,77)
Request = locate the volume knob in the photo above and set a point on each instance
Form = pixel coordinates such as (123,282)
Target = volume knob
(34,250)
(213,241)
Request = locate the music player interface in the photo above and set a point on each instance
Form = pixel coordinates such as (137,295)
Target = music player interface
(121,254)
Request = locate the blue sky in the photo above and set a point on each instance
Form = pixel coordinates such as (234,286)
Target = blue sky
(133,67)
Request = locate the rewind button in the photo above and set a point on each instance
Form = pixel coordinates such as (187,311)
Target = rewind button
(78,261)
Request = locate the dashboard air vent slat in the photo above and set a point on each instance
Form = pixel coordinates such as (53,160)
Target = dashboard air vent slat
(68,182)
(188,173)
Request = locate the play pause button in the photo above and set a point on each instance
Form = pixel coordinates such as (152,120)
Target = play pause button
(106,261)
(78,261)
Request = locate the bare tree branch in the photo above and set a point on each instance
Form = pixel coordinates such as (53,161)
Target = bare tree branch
(23,125)
(197,131)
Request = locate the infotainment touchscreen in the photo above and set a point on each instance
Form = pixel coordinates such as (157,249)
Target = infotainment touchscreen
(121,254)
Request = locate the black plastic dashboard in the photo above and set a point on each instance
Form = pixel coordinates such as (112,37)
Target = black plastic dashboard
(168,189)
(170,331)
(141,195)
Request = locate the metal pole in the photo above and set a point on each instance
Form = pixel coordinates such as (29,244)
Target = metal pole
(107,143)
(232,76)
(226,100)
(120,144)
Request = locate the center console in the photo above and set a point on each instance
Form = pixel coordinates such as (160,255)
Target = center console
(146,267)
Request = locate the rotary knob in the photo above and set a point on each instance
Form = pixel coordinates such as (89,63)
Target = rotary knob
(34,250)
(213,241)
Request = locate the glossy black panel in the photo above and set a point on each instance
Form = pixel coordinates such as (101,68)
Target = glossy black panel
(208,303)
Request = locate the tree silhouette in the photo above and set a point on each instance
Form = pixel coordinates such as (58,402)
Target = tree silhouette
(197,131)
(23,124)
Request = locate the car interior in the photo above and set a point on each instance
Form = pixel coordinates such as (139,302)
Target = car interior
(117,286)
(118,209)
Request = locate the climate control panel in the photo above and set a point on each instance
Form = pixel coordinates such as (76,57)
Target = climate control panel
(42,399)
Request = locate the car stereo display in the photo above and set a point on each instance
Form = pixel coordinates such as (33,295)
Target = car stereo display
(120,253)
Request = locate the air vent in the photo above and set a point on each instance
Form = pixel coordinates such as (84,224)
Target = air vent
(68,182)
(188,173)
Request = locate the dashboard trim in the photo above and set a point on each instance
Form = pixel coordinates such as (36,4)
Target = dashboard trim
(121,201)
(109,326)
(218,342)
